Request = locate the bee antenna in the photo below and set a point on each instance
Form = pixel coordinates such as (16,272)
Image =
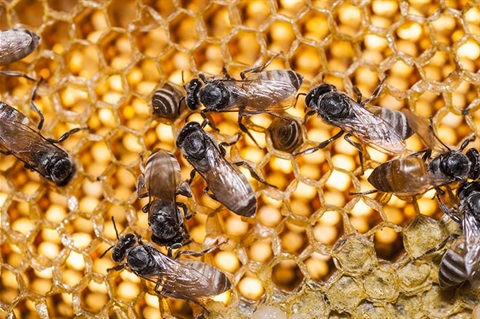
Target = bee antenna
(435,134)
(115,227)
(106,251)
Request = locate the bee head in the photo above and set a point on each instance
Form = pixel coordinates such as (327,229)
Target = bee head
(120,249)
(214,96)
(192,140)
(313,97)
(62,171)
(192,89)
(455,165)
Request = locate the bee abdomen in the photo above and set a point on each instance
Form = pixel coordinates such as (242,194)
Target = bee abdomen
(452,269)
(286,134)
(288,76)
(165,102)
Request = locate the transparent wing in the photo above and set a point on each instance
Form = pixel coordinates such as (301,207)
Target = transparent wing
(422,128)
(25,142)
(14,45)
(259,96)
(373,130)
(471,231)
(163,174)
(189,279)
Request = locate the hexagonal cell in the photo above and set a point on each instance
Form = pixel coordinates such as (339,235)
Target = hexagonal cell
(218,20)
(250,287)
(348,18)
(244,47)
(254,12)
(345,294)
(116,49)
(340,54)
(414,239)
(29,13)
(163,7)
(381,284)
(412,38)
(62,6)
(423,9)
(183,31)
(286,275)
(306,60)
(151,43)
(292,240)
(280,36)
(56,36)
(414,277)
(143,76)
(388,243)
(309,303)
(354,254)
(90,24)
(444,27)
(320,267)
(208,58)
(438,303)
(314,26)
(369,310)
(407,307)
(121,13)
(439,67)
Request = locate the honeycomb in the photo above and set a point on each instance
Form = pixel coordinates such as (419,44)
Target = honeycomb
(313,250)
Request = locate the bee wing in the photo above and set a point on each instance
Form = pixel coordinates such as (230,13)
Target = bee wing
(163,174)
(191,279)
(422,128)
(15,45)
(25,141)
(471,231)
(259,96)
(373,130)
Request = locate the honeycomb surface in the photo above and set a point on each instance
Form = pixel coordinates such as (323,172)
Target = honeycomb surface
(313,250)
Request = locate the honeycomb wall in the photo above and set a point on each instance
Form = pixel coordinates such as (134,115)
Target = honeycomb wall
(313,250)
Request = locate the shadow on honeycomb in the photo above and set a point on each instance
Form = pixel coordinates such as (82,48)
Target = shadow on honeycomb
(313,250)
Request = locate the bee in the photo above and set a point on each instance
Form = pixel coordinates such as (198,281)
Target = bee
(338,109)
(166,102)
(461,261)
(411,175)
(21,138)
(161,182)
(15,44)
(257,92)
(227,184)
(286,134)
(176,278)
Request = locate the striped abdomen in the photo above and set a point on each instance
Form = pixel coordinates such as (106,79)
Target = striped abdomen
(286,134)
(166,102)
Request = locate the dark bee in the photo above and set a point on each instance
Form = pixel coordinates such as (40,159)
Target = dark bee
(22,139)
(161,182)
(286,134)
(228,185)
(259,92)
(461,262)
(176,278)
(338,109)
(15,44)
(166,102)
(449,166)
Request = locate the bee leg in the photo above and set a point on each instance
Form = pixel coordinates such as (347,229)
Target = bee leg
(118,267)
(465,143)
(207,120)
(186,213)
(146,208)
(5,152)
(18,74)
(296,98)
(319,146)
(226,75)
(358,147)
(67,135)
(184,189)
(358,94)
(376,92)
(34,107)
(307,114)
(141,189)
(373,191)
(222,145)
(244,129)
(447,210)
(192,176)
(254,174)
(199,253)
(450,237)
(260,68)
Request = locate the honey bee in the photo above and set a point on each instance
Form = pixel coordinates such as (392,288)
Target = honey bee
(21,138)
(160,181)
(166,102)
(227,184)
(286,134)
(338,109)
(411,175)
(176,278)
(461,261)
(258,92)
